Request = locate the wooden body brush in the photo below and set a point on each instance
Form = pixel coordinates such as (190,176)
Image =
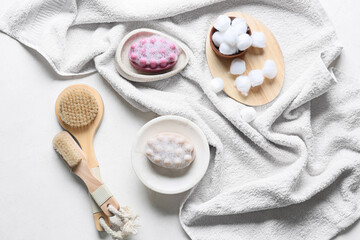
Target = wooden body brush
(79,109)
(75,158)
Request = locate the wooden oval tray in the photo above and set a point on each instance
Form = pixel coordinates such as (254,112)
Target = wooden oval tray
(255,59)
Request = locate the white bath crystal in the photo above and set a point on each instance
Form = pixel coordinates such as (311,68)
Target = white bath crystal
(258,39)
(222,23)
(269,70)
(230,36)
(218,38)
(240,25)
(227,49)
(248,114)
(244,41)
(256,78)
(217,84)
(237,66)
(243,84)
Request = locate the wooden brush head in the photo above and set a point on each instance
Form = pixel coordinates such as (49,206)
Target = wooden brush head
(78,107)
(68,149)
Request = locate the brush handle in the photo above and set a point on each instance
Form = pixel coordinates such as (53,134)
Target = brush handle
(85,137)
(86,142)
(99,192)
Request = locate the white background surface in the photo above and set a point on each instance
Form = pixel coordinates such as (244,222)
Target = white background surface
(41,199)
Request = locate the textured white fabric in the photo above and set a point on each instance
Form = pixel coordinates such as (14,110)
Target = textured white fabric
(292,173)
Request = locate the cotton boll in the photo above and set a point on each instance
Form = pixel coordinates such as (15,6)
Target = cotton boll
(217,84)
(256,77)
(248,114)
(222,23)
(243,84)
(217,38)
(237,67)
(230,36)
(237,21)
(269,69)
(258,39)
(227,49)
(244,41)
(240,25)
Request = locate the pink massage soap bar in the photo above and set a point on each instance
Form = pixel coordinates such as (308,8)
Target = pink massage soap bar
(153,54)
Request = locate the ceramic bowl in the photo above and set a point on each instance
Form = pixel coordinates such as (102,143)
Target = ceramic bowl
(165,180)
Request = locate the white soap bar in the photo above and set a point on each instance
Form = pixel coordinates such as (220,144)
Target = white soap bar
(170,150)
(237,66)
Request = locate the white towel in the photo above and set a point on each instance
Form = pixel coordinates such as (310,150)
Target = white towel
(293,173)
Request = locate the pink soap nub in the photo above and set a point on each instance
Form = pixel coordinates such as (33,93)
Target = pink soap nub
(163,62)
(153,63)
(133,46)
(172,46)
(143,41)
(142,62)
(143,51)
(134,56)
(172,57)
(152,40)
(162,50)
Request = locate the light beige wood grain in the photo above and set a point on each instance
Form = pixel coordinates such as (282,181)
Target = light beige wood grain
(83,171)
(255,59)
(85,136)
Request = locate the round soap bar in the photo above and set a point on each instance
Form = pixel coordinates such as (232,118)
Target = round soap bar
(153,54)
(170,150)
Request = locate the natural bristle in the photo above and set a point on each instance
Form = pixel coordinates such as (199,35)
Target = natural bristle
(67,148)
(78,107)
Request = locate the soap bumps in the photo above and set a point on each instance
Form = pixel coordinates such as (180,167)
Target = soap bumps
(170,150)
(155,53)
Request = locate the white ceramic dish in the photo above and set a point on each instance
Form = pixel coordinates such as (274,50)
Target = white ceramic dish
(170,181)
(123,64)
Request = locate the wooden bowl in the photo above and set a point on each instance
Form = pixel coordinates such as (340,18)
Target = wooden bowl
(216,49)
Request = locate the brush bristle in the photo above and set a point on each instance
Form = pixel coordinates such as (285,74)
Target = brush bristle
(78,107)
(67,148)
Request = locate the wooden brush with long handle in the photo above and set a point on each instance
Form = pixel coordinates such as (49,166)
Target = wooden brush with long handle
(75,158)
(79,109)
